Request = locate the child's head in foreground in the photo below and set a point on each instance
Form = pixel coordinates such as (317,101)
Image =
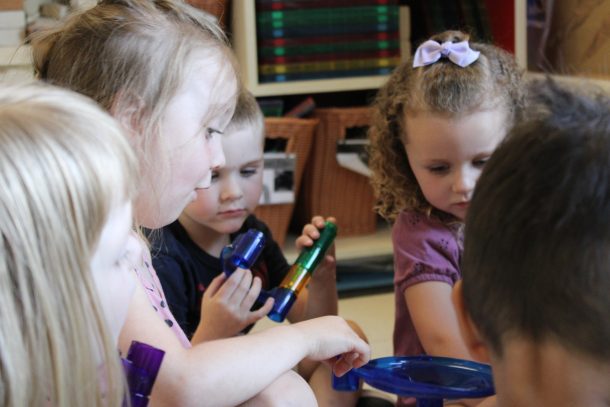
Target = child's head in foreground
(436,123)
(535,296)
(237,185)
(66,176)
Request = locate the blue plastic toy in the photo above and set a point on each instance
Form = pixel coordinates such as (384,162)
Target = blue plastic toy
(243,252)
(428,379)
(246,248)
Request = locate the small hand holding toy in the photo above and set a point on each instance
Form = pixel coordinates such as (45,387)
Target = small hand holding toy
(300,273)
(226,307)
(245,250)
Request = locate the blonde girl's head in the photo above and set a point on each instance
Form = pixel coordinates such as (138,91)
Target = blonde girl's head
(442,89)
(64,164)
(132,57)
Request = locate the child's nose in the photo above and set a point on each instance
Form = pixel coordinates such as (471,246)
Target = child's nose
(217,155)
(231,189)
(464,181)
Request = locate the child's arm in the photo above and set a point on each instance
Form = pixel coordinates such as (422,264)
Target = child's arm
(320,297)
(231,371)
(435,320)
(226,304)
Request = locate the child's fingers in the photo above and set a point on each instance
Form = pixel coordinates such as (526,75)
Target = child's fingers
(303,241)
(311,231)
(215,284)
(262,311)
(250,298)
(318,221)
(343,364)
(241,290)
(227,290)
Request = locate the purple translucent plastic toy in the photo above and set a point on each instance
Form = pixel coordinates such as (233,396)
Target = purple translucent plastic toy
(141,366)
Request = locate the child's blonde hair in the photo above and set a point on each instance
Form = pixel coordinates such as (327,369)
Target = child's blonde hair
(442,88)
(64,165)
(131,56)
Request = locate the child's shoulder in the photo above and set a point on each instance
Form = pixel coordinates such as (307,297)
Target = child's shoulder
(417,227)
(418,222)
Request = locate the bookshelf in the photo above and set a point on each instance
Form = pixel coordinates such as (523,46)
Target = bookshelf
(245,46)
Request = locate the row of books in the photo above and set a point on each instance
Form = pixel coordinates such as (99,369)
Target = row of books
(300,40)
(269,5)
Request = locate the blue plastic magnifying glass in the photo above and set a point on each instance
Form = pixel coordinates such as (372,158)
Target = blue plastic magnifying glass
(429,379)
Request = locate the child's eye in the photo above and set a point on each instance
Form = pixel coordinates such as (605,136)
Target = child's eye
(209,133)
(480,163)
(248,172)
(438,169)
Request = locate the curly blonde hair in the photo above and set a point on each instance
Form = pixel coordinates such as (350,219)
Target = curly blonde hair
(443,88)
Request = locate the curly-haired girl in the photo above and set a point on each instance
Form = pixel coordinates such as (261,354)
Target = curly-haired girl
(436,122)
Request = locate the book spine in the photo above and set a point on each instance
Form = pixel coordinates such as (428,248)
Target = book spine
(305,31)
(339,48)
(346,38)
(324,75)
(273,5)
(328,66)
(324,14)
(330,56)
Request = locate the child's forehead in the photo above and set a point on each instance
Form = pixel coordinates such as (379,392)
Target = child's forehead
(244,137)
(245,131)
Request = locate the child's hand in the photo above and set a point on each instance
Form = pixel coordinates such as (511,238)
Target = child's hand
(226,304)
(332,340)
(326,269)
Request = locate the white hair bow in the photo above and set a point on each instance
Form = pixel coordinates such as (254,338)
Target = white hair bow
(431,51)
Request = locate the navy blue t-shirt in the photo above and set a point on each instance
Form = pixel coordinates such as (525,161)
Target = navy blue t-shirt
(185,270)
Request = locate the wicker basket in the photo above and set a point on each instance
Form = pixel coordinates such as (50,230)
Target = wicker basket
(218,8)
(331,190)
(299,133)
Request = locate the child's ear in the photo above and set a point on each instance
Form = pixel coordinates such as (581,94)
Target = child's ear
(470,333)
(127,112)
